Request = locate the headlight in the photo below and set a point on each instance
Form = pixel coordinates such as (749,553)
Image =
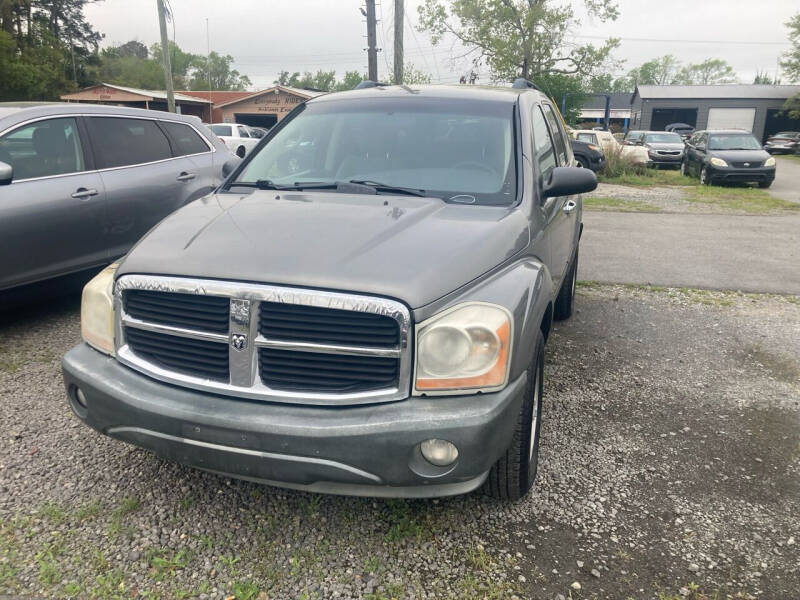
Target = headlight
(770,162)
(97,311)
(718,162)
(465,348)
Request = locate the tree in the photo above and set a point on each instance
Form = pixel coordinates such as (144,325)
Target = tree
(325,81)
(215,73)
(657,71)
(791,58)
(134,49)
(183,64)
(412,76)
(560,88)
(520,38)
(350,80)
(608,83)
(711,71)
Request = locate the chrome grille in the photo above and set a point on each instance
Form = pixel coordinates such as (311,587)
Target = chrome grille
(278,344)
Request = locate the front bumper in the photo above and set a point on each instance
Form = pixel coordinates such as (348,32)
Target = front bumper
(356,450)
(668,160)
(736,175)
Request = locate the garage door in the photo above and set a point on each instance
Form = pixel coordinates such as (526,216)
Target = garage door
(731,118)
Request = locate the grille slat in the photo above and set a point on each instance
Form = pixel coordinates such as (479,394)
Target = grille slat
(200,358)
(318,372)
(204,313)
(295,322)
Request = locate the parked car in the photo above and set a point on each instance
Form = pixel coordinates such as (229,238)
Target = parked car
(728,156)
(663,149)
(682,129)
(785,142)
(587,156)
(366,319)
(633,138)
(238,138)
(80,184)
(258,132)
(605,139)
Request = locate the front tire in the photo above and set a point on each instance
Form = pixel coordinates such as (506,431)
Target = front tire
(240,152)
(512,476)
(685,169)
(704,177)
(566,295)
(581,162)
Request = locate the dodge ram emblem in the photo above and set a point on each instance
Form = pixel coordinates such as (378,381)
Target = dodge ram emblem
(238,341)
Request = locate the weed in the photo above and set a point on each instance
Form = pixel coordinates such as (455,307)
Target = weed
(187,502)
(117,527)
(73,588)
(391,591)
(403,523)
(618,204)
(743,199)
(245,590)
(478,558)
(230,563)
(53,513)
(99,561)
(373,565)
(109,585)
(165,562)
(46,558)
(90,510)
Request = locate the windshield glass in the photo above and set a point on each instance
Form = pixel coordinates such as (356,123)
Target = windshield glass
(221,130)
(733,141)
(460,151)
(663,138)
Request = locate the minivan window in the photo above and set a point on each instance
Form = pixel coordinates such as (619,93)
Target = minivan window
(463,149)
(43,149)
(185,140)
(545,153)
(558,135)
(733,141)
(221,130)
(121,142)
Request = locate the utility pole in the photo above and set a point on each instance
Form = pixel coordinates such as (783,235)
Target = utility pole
(372,51)
(398,41)
(162,21)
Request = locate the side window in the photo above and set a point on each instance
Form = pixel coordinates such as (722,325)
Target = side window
(243,132)
(185,140)
(121,142)
(586,137)
(543,144)
(558,134)
(43,149)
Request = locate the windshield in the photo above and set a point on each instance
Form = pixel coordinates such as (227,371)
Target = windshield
(734,141)
(459,151)
(663,138)
(221,130)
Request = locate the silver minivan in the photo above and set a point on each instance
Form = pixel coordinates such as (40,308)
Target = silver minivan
(80,184)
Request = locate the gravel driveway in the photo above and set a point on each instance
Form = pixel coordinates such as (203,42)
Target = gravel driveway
(670,468)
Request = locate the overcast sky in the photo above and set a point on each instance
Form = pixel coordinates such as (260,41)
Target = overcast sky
(265,36)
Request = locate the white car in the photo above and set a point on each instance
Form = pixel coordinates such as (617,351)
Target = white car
(238,138)
(607,141)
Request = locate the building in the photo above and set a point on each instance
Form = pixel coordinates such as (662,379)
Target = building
(756,108)
(106,93)
(263,108)
(594,109)
(216,98)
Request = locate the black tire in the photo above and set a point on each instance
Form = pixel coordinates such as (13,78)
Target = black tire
(685,168)
(512,476)
(764,184)
(240,152)
(704,178)
(581,162)
(566,295)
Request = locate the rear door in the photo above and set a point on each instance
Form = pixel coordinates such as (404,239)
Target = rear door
(144,182)
(52,215)
(198,173)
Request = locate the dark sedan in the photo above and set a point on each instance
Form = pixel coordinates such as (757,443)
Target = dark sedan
(783,142)
(730,156)
(588,156)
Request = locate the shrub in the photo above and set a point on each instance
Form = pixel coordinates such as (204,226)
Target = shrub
(619,163)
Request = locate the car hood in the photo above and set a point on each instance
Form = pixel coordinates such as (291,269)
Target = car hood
(751,156)
(409,248)
(665,146)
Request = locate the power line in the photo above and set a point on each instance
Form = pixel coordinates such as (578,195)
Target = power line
(667,41)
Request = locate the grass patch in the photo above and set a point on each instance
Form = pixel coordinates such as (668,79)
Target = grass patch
(49,571)
(90,510)
(618,204)
(795,157)
(165,562)
(744,199)
(128,505)
(649,177)
(403,522)
(245,590)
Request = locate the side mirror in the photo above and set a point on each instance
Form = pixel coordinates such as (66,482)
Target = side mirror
(566,181)
(229,165)
(6,173)
(700,147)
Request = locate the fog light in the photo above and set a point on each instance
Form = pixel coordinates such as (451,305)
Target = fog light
(79,396)
(439,452)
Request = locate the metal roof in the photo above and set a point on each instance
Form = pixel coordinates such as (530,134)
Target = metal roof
(728,91)
(292,90)
(147,94)
(619,101)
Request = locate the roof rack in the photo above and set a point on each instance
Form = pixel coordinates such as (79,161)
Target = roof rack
(368,83)
(520,83)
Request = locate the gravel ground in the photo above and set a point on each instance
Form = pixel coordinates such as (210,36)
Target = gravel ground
(670,468)
(663,198)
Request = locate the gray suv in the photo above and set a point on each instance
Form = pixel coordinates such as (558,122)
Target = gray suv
(361,308)
(80,184)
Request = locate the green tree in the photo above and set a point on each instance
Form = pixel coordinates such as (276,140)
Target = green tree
(764,78)
(183,64)
(350,80)
(711,71)
(608,83)
(562,87)
(412,76)
(657,71)
(216,69)
(520,38)
(791,58)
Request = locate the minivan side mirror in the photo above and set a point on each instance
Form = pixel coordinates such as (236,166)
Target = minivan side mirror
(6,173)
(566,181)
(229,165)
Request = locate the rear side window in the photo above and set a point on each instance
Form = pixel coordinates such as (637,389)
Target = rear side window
(42,149)
(122,142)
(558,134)
(544,151)
(243,132)
(587,137)
(185,140)
(221,130)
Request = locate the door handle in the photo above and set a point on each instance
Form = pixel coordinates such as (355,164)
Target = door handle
(83,193)
(186,176)
(570,206)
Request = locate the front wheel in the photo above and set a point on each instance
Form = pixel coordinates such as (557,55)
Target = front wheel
(704,178)
(513,474)
(240,152)
(581,162)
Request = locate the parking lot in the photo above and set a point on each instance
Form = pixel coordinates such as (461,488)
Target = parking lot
(670,465)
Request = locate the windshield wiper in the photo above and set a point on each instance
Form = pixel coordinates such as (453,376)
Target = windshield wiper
(392,189)
(266,184)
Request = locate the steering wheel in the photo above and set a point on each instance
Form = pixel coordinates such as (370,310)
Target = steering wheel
(470,163)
